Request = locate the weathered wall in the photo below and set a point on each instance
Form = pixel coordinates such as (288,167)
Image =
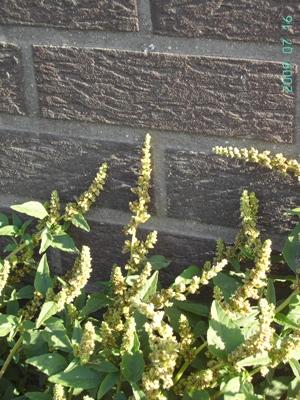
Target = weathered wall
(82,82)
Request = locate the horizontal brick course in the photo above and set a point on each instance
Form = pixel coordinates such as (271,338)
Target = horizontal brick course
(247,20)
(205,95)
(34,165)
(207,188)
(12,98)
(119,15)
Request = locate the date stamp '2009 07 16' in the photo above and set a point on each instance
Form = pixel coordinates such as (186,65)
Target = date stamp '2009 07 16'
(287,48)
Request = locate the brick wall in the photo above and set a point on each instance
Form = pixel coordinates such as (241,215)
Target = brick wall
(82,82)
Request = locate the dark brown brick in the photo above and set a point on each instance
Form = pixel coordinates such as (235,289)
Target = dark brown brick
(34,165)
(12,98)
(207,188)
(205,95)
(247,20)
(117,15)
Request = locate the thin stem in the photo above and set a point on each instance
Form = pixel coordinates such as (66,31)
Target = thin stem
(285,302)
(10,356)
(118,389)
(71,394)
(187,363)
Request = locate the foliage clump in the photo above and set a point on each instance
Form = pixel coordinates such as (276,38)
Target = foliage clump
(150,342)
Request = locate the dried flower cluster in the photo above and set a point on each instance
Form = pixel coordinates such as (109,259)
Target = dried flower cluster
(85,201)
(75,280)
(277,161)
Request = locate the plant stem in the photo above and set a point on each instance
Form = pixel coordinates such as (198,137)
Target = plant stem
(71,394)
(10,357)
(285,302)
(187,363)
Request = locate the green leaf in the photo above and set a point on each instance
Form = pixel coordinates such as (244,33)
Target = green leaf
(26,292)
(227,283)
(3,220)
(9,230)
(132,364)
(138,393)
(256,359)
(291,250)
(77,333)
(5,325)
(195,308)
(149,288)
(79,221)
(94,303)
(158,262)
(231,388)
(48,309)
(50,363)
(38,396)
(64,242)
(200,329)
(249,396)
(223,335)
(196,394)
(17,221)
(43,281)
(293,389)
(294,364)
(73,364)
(293,211)
(31,208)
(46,241)
(282,319)
(103,366)
(80,377)
(56,335)
(187,275)
(109,382)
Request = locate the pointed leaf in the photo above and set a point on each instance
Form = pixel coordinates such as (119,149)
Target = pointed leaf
(38,396)
(46,241)
(109,382)
(291,250)
(3,220)
(64,242)
(294,389)
(256,359)
(138,393)
(80,377)
(149,288)
(294,364)
(31,208)
(9,230)
(79,221)
(5,325)
(95,302)
(48,309)
(223,334)
(50,363)
(187,275)
(132,364)
(43,281)
(157,262)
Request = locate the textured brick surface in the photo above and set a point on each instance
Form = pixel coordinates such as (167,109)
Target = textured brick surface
(34,165)
(247,20)
(208,188)
(204,95)
(12,99)
(120,15)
